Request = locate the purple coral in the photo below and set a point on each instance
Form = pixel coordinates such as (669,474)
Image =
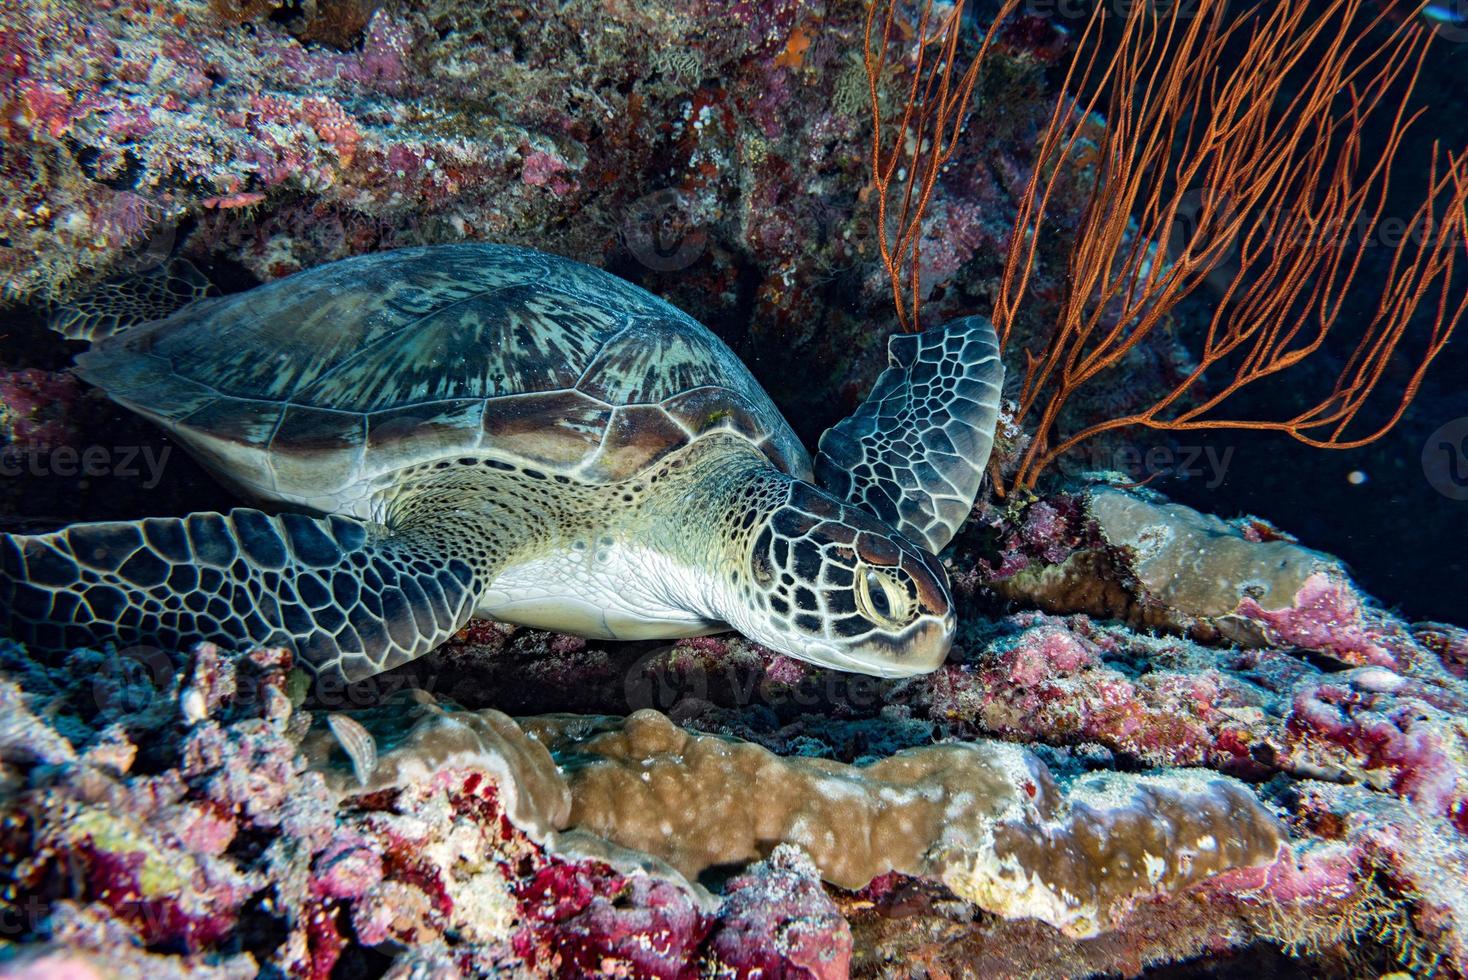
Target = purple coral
(1384,734)
(777,922)
(36,409)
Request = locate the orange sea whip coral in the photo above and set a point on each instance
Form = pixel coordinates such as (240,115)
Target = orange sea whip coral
(1270,148)
(925,134)
(1255,123)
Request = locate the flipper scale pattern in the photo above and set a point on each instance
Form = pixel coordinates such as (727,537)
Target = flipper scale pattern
(349,598)
(915,452)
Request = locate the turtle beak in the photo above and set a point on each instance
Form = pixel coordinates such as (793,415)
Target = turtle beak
(924,644)
(919,649)
(930,643)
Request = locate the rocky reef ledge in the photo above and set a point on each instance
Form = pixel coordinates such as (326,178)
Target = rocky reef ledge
(1209,744)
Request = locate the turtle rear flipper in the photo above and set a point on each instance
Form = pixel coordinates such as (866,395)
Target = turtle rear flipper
(914,453)
(128,300)
(350,598)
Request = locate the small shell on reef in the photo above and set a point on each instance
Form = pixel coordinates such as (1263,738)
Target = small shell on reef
(1377,680)
(359,744)
(193,706)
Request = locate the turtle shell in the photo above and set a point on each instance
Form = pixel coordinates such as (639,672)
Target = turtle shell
(309,388)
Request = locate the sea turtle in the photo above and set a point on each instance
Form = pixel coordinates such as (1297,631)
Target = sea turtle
(485,430)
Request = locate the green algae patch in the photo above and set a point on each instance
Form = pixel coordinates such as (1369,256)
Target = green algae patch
(157,876)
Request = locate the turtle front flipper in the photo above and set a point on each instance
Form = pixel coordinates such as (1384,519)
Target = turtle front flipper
(914,453)
(349,597)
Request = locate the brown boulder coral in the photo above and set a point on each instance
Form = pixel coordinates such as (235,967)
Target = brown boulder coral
(985,818)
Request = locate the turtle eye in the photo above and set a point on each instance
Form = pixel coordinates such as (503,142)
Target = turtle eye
(877,596)
(881,598)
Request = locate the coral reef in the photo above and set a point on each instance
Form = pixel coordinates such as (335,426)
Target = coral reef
(210,830)
(188,806)
(258,141)
(986,819)
(566,844)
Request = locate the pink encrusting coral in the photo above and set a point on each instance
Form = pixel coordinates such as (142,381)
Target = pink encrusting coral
(347,868)
(1374,729)
(592,920)
(1327,614)
(679,143)
(778,921)
(1047,532)
(1051,679)
(439,856)
(541,169)
(1071,681)
(160,857)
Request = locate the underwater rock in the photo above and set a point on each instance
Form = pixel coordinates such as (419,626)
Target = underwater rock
(1450,643)
(678,146)
(1132,555)
(23,738)
(1389,732)
(477,842)
(1198,565)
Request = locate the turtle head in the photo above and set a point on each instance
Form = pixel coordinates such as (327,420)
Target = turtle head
(827,583)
